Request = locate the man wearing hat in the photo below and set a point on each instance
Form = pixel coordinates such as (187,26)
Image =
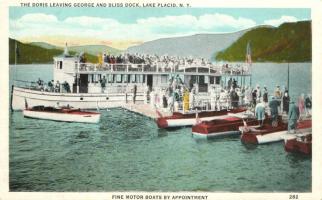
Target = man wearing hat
(260,112)
(273,105)
(293,116)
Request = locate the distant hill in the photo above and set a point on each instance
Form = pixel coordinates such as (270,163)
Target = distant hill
(90,49)
(29,53)
(290,42)
(200,45)
(45,45)
(95,49)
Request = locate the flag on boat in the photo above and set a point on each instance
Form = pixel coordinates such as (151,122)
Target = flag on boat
(248,53)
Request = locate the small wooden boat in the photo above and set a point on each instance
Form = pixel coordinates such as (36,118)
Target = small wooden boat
(268,133)
(299,143)
(222,127)
(178,119)
(62,114)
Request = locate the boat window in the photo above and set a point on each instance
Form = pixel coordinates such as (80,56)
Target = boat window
(60,64)
(110,78)
(211,80)
(164,79)
(143,78)
(91,78)
(138,78)
(217,80)
(118,78)
(132,78)
(206,79)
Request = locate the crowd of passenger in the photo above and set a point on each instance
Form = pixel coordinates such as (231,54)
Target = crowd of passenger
(51,86)
(180,97)
(148,59)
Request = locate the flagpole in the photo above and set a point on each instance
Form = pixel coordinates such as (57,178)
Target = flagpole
(288,77)
(14,78)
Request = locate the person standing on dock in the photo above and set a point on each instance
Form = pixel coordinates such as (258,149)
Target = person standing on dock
(234,99)
(265,95)
(273,105)
(308,105)
(278,96)
(293,116)
(301,105)
(260,113)
(286,102)
(134,93)
(254,97)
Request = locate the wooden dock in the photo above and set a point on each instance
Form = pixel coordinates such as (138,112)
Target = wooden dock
(145,110)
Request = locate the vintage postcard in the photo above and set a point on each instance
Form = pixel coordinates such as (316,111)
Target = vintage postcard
(160,100)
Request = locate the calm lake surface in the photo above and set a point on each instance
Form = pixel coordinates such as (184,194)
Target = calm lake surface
(127,152)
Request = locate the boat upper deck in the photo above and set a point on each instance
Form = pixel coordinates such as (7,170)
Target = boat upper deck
(159,68)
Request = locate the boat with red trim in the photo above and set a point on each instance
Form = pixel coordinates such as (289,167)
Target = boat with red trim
(299,143)
(178,119)
(270,133)
(222,127)
(63,114)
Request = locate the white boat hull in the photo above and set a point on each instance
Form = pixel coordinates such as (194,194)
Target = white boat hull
(277,136)
(82,101)
(191,121)
(65,117)
(215,135)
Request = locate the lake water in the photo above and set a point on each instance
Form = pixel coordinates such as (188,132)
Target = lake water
(127,152)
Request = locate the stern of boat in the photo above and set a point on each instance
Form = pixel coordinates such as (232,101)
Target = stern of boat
(248,138)
(162,122)
(200,131)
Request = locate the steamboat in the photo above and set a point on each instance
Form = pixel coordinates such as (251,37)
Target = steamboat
(124,81)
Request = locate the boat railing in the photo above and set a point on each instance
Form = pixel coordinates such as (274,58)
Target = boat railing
(205,105)
(161,67)
(41,86)
(26,84)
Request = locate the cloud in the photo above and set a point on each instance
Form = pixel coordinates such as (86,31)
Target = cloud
(109,28)
(87,21)
(143,29)
(207,22)
(281,20)
(210,21)
(37,17)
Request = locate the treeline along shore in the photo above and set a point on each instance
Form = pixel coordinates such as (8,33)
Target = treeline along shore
(290,42)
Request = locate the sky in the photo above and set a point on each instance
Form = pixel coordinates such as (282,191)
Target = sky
(124,27)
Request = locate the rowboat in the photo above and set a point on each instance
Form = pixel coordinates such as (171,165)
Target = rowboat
(268,133)
(218,128)
(299,143)
(178,119)
(61,114)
